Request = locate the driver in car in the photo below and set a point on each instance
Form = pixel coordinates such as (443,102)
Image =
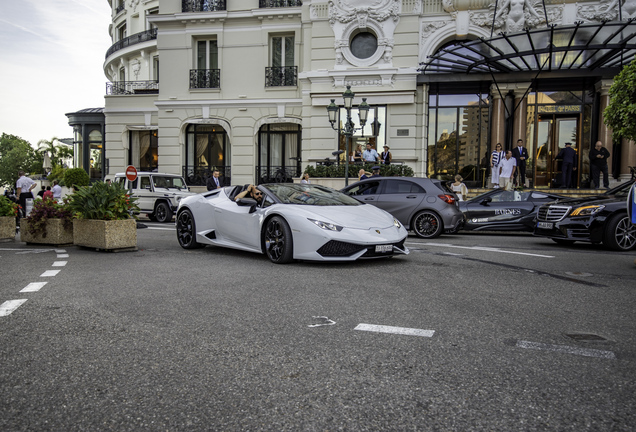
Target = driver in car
(253,192)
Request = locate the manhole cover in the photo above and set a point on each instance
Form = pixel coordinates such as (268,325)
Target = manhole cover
(585,337)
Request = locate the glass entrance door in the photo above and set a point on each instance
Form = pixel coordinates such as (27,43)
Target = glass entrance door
(552,133)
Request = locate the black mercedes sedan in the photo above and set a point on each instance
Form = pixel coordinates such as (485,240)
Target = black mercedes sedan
(502,210)
(598,219)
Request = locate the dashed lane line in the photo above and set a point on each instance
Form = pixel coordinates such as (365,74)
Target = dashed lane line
(395,330)
(480,248)
(9,306)
(59,263)
(50,273)
(33,287)
(587,352)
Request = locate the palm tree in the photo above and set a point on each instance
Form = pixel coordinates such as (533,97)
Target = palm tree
(57,154)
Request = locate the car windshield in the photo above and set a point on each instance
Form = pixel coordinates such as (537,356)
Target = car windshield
(305,194)
(621,190)
(168,182)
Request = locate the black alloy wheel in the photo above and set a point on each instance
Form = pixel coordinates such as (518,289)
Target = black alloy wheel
(620,233)
(427,224)
(163,213)
(186,231)
(278,241)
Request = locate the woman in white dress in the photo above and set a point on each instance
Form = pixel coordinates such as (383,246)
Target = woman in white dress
(495,157)
(460,188)
(305,179)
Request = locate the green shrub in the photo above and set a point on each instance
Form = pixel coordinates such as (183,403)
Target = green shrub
(48,208)
(8,207)
(339,170)
(57,173)
(76,177)
(103,202)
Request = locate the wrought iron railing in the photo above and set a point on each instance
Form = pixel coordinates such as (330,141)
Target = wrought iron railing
(277,174)
(202,5)
(279,3)
(198,176)
(132,87)
(120,7)
(205,78)
(281,76)
(132,40)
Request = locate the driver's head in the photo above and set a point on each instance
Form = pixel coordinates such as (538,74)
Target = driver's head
(257,194)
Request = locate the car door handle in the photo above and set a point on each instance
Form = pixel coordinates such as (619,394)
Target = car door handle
(411,197)
(369,199)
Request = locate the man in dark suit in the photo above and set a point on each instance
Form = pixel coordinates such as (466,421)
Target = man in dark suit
(520,153)
(214,182)
(568,156)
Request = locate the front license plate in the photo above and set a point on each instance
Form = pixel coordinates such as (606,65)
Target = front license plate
(383,248)
(545,225)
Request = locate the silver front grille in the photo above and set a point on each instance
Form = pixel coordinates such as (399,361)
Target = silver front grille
(553,213)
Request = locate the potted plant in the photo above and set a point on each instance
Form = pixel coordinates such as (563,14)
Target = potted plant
(48,223)
(104,217)
(8,213)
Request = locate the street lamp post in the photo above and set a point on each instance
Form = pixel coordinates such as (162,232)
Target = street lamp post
(349,126)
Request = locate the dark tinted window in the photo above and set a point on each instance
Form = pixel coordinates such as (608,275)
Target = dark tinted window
(402,187)
(367,188)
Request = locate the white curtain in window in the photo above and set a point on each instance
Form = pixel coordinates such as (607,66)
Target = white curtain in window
(291,148)
(144,144)
(202,146)
(135,149)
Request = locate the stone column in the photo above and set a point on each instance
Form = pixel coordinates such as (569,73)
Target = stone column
(519,129)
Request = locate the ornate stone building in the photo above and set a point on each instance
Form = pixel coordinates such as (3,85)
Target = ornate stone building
(243,86)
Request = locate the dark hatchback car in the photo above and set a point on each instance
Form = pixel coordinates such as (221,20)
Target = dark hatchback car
(502,210)
(426,206)
(598,219)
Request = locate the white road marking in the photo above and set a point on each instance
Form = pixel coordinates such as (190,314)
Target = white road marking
(587,352)
(33,287)
(50,273)
(481,248)
(59,263)
(395,330)
(9,306)
(59,256)
(326,322)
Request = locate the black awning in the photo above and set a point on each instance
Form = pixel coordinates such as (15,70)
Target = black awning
(557,48)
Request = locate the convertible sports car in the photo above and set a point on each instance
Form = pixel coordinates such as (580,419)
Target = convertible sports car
(292,221)
(502,210)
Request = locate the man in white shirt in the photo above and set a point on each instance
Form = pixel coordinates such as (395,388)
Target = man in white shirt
(507,169)
(24,186)
(370,155)
(57,190)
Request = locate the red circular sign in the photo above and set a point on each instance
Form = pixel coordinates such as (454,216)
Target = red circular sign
(131,173)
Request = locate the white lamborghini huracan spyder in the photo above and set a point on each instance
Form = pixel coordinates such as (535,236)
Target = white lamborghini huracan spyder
(292,221)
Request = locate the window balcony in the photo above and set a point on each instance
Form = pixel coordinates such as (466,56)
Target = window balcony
(198,175)
(281,76)
(119,8)
(132,40)
(279,3)
(205,78)
(202,5)
(132,87)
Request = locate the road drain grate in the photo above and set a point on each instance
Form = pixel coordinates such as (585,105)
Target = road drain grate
(586,337)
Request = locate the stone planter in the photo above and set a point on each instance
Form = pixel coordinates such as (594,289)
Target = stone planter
(105,235)
(7,227)
(55,233)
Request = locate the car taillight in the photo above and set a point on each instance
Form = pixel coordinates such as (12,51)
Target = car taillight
(449,199)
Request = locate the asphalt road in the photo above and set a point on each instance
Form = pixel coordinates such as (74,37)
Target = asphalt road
(468,332)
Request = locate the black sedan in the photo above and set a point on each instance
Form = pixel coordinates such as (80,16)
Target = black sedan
(502,210)
(598,219)
(426,206)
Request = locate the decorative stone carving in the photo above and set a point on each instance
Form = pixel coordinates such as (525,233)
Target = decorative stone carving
(607,10)
(530,20)
(349,17)
(431,27)
(518,14)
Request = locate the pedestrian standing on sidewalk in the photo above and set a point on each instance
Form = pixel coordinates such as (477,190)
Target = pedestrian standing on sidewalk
(24,186)
(507,170)
(496,157)
(598,165)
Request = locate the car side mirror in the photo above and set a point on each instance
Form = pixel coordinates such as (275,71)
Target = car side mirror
(486,201)
(248,202)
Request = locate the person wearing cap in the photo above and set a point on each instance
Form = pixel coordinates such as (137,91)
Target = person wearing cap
(376,171)
(568,156)
(385,156)
(370,155)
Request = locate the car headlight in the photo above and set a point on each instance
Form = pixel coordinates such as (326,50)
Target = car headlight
(326,225)
(587,210)
(397,223)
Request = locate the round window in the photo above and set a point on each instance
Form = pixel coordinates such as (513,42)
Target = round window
(364,45)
